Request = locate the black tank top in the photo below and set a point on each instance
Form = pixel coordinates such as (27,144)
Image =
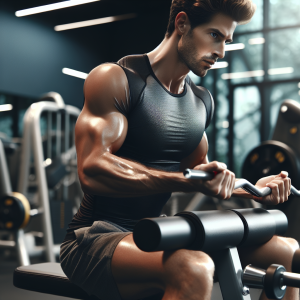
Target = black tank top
(163,128)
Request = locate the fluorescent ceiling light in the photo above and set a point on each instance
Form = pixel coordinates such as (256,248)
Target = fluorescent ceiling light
(219,65)
(278,71)
(6,107)
(256,41)
(299,85)
(49,7)
(74,73)
(243,74)
(93,22)
(232,47)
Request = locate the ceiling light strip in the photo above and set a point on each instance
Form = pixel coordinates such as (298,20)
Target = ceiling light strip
(237,75)
(232,47)
(278,71)
(256,41)
(94,22)
(6,107)
(219,65)
(49,7)
(74,73)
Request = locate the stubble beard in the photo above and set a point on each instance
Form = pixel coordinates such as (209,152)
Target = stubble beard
(187,54)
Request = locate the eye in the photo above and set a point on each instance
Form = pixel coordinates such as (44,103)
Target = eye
(214,35)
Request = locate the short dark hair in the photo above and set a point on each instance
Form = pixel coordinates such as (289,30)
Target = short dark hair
(202,11)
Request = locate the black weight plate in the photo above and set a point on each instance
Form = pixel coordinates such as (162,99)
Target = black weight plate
(270,158)
(12,213)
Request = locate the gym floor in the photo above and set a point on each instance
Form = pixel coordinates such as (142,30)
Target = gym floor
(9,292)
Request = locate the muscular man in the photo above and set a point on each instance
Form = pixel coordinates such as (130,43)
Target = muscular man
(142,123)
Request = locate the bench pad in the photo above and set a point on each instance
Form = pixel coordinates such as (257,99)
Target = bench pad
(48,278)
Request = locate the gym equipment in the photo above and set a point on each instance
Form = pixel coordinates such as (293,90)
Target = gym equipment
(61,148)
(288,125)
(242,183)
(219,233)
(269,158)
(42,181)
(274,280)
(15,211)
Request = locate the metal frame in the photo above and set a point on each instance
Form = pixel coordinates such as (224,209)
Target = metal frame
(32,144)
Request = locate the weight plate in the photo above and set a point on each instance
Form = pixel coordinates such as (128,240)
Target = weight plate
(272,282)
(14,211)
(270,158)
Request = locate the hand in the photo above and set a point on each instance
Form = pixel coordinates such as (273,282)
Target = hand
(221,186)
(281,188)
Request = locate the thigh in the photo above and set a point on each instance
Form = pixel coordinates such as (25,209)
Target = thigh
(138,274)
(279,250)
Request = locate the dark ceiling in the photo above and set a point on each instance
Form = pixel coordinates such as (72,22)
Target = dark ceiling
(111,41)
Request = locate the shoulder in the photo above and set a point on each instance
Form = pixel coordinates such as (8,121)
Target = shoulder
(105,77)
(104,85)
(206,97)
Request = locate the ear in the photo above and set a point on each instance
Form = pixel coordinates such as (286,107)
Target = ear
(182,23)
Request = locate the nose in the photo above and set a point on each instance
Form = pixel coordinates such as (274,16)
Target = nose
(219,51)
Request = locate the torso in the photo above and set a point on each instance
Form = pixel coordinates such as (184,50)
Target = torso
(163,129)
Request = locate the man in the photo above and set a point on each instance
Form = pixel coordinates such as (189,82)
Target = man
(142,123)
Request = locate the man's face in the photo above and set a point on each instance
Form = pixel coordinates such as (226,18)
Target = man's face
(200,48)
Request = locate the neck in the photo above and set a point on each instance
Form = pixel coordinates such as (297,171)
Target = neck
(167,66)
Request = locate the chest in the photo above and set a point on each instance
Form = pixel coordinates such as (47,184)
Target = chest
(166,125)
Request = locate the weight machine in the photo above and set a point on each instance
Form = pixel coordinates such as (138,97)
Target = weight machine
(48,159)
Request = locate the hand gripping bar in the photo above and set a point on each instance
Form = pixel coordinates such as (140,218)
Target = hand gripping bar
(242,183)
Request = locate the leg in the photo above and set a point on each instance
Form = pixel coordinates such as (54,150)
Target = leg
(278,250)
(182,274)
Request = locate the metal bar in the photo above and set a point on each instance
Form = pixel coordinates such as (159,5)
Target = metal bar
(214,120)
(58,134)
(231,129)
(42,184)
(229,272)
(26,152)
(49,135)
(5,185)
(7,244)
(22,253)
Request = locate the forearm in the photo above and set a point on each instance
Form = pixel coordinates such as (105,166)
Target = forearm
(114,177)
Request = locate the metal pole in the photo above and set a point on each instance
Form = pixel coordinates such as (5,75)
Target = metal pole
(5,186)
(22,253)
(229,272)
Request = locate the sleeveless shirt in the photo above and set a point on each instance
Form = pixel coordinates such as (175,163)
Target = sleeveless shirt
(163,128)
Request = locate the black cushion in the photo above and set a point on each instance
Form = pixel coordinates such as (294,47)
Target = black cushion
(48,278)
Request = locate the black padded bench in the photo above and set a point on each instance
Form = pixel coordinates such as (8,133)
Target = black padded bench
(48,278)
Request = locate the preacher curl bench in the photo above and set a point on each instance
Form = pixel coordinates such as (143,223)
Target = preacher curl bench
(215,232)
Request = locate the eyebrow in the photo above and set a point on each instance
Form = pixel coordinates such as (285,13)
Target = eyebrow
(221,34)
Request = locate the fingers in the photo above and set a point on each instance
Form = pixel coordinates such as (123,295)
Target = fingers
(281,188)
(226,184)
(212,166)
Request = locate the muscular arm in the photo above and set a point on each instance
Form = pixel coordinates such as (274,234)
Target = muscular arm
(101,130)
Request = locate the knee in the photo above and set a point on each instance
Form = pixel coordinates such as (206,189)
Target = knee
(287,251)
(187,268)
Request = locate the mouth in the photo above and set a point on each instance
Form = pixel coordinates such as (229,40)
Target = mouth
(210,62)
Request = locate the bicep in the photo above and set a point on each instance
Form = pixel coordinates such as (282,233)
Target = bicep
(101,128)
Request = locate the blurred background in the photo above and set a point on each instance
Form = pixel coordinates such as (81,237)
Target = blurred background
(260,71)
(33,54)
